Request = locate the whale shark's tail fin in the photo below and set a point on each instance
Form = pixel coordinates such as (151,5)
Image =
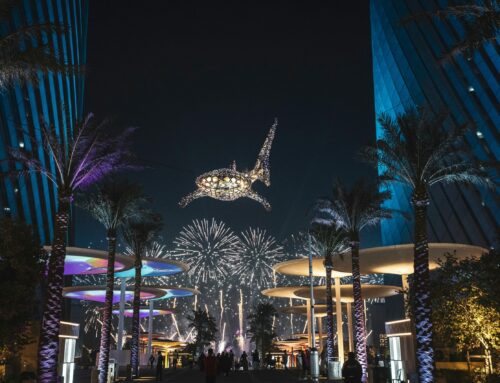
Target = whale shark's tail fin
(261,169)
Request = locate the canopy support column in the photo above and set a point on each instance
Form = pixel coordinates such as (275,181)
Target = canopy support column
(150,328)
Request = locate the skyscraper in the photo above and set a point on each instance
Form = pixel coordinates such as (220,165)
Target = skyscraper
(408,71)
(56,100)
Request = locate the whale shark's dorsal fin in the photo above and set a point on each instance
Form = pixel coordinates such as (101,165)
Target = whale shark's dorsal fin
(261,169)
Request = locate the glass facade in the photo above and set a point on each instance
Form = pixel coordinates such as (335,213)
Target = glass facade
(407,71)
(56,100)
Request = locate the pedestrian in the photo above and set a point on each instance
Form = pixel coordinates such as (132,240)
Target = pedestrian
(152,361)
(351,370)
(285,359)
(210,364)
(160,362)
(303,363)
(231,359)
(255,359)
(174,362)
(244,361)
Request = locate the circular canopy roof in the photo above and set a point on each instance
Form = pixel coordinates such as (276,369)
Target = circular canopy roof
(143,312)
(319,310)
(346,293)
(155,267)
(303,292)
(81,261)
(399,259)
(176,292)
(300,267)
(98,293)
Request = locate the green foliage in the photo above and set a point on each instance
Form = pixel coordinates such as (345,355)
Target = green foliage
(21,267)
(465,298)
(260,326)
(204,326)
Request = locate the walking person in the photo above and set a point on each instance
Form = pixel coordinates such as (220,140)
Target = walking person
(244,361)
(285,360)
(210,364)
(351,370)
(160,363)
(255,359)
(174,362)
(151,361)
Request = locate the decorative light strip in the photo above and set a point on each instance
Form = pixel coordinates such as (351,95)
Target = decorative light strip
(398,321)
(399,334)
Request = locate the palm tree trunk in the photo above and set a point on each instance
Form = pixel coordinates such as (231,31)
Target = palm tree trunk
(134,348)
(359,311)
(329,309)
(108,307)
(422,314)
(48,349)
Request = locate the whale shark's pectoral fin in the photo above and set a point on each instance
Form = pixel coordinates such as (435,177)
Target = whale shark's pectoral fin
(198,193)
(257,197)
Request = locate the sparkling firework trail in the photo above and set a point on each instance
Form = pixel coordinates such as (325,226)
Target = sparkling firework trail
(259,252)
(209,248)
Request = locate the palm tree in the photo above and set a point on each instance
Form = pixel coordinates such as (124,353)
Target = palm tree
(418,151)
(139,232)
(331,242)
(111,203)
(260,326)
(204,326)
(20,58)
(88,157)
(480,19)
(351,210)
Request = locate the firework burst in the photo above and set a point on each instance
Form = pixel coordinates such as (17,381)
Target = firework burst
(210,248)
(259,252)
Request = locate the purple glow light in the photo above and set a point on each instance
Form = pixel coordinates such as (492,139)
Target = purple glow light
(87,265)
(99,295)
(143,313)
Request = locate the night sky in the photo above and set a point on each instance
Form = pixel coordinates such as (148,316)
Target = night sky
(204,80)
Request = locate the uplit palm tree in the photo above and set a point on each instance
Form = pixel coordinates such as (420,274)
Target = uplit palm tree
(480,20)
(260,326)
(139,232)
(88,157)
(111,203)
(352,210)
(204,327)
(418,150)
(23,53)
(332,242)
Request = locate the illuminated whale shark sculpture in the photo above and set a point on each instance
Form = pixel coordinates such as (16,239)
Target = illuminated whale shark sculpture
(229,184)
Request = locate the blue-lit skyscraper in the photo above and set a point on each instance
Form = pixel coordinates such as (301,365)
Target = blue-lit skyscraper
(407,72)
(56,100)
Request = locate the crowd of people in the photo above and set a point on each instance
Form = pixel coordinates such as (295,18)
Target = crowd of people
(223,363)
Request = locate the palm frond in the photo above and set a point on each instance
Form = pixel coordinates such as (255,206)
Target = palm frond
(352,209)
(430,152)
(481,21)
(113,201)
(86,159)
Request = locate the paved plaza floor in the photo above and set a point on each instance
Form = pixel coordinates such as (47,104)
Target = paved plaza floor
(195,376)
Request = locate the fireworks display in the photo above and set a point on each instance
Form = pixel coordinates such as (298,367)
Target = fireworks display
(210,248)
(259,252)
(230,269)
